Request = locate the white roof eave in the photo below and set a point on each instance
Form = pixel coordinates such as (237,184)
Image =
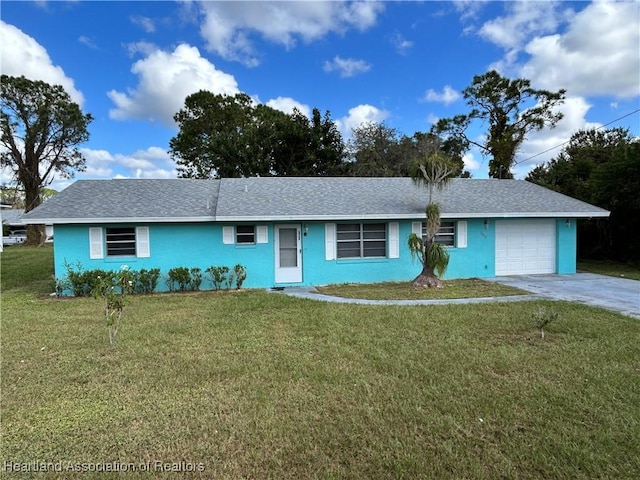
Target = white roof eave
(305,218)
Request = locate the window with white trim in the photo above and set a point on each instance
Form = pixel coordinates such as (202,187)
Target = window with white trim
(120,241)
(361,240)
(446,234)
(245,234)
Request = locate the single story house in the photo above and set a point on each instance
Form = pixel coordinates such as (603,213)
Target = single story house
(12,220)
(294,231)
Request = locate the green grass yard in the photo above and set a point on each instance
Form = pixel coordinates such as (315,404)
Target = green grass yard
(257,385)
(609,268)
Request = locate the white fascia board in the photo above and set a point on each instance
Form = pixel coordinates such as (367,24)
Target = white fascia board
(600,214)
(311,218)
(308,218)
(87,221)
(408,216)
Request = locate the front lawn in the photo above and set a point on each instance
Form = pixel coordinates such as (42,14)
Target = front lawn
(609,268)
(258,385)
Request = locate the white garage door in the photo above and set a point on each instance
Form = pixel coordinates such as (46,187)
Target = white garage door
(525,247)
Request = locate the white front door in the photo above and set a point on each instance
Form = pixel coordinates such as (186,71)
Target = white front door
(288,254)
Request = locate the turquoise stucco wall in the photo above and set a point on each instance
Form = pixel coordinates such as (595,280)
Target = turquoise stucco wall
(171,245)
(200,245)
(476,260)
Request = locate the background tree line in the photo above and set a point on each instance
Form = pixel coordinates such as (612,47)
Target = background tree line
(232,136)
(601,167)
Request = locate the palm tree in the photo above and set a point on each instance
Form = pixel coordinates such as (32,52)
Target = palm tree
(434,172)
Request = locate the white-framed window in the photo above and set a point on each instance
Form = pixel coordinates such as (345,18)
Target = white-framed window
(451,233)
(245,234)
(446,234)
(361,240)
(121,241)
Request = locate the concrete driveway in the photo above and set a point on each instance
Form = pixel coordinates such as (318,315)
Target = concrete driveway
(618,294)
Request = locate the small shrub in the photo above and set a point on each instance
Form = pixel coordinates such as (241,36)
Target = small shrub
(60,285)
(145,281)
(218,276)
(83,282)
(544,317)
(240,274)
(113,290)
(195,279)
(178,278)
(229,280)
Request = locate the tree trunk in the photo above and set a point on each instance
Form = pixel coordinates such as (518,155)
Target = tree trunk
(426,279)
(36,235)
(32,198)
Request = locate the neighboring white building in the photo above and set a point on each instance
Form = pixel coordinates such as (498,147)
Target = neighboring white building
(12,218)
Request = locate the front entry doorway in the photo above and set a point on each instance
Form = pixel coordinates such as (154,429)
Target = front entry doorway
(288,253)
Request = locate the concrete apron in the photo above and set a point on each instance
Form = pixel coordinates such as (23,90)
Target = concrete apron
(617,294)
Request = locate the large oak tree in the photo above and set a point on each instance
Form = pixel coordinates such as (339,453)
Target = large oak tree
(231,136)
(41,130)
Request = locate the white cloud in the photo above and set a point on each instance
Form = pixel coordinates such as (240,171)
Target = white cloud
(153,162)
(141,48)
(228,26)
(598,55)
(432,118)
(143,22)
(595,51)
(540,146)
(286,105)
(401,44)
(360,115)
(346,67)
(469,9)
(523,20)
(447,96)
(22,55)
(88,42)
(470,163)
(165,80)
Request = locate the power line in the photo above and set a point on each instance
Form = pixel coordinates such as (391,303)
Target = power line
(564,143)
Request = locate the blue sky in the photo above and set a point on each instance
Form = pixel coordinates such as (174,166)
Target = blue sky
(131,64)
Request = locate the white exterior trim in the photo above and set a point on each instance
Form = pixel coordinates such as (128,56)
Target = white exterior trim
(281,218)
(228,235)
(96,246)
(394,240)
(262,234)
(461,234)
(142,242)
(329,241)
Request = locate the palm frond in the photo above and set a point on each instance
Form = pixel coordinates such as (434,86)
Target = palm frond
(438,258)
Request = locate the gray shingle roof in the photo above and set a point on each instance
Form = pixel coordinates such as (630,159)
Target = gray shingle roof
(12,217)
(299,198)
(278,198)
(122,200)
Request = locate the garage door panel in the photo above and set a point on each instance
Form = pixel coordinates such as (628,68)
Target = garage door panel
(525,247)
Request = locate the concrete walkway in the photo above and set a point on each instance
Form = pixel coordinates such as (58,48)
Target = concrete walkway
(618,294)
